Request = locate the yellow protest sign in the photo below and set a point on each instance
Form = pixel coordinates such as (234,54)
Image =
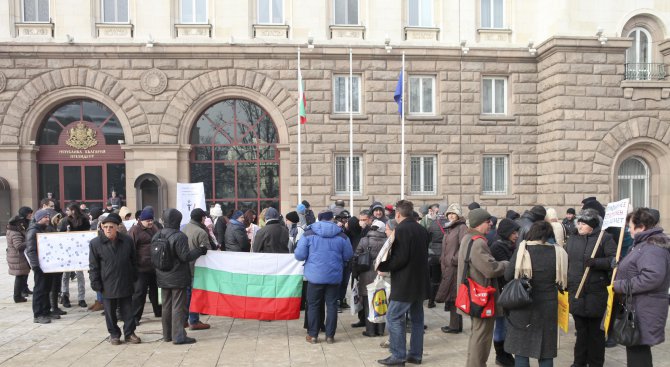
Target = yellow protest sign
(608,310)
(563,311)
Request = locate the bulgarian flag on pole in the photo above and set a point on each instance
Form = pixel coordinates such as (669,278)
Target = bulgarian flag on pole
(302,101)
(247,285)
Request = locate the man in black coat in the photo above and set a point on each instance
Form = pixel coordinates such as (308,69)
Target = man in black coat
(173,282)
(535,214)
(273,238)
(113,271)
(408,264)
(43,281)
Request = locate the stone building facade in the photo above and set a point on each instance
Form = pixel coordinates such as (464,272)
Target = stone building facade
(573,111)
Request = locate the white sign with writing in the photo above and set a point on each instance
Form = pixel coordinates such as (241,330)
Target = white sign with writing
(189,197)
(64,251)
(615,215)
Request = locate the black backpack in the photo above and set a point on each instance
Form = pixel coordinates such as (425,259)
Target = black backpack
(162,257)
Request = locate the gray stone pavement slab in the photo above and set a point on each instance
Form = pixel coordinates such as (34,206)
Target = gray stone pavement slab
(80,339)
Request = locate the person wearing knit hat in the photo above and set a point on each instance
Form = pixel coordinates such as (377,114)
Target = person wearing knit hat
(569,223)
(293,217)
(215,211)
(502,250)
(473,205)
(588,307)
(43,281)
(273,238)
(484,269)
(324,251)
(295,231)
(142,234)
(455,230)
(301,210)
(377,210)
(198,238)
(235,238)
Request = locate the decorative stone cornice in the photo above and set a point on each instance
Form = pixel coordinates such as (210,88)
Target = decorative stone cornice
(581,44)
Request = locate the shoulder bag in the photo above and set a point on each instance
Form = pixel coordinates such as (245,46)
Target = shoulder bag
(516,294)
(472,298)
(626,329)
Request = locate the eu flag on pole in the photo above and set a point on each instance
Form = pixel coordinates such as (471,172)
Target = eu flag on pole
(397,96)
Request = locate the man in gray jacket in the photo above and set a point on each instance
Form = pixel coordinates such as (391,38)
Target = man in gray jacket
(198,237)
(43,281)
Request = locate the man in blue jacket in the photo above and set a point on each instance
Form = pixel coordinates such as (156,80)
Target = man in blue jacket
(325,249)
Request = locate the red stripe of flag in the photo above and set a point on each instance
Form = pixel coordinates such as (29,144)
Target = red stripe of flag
(240,307)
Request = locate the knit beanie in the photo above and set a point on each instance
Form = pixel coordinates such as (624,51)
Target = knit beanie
(589,217)
(571,211)
(325,215)
(477,217)
(40,214)
(147,213)
(473,205)
(271,214)
(293,217)
(237,214)
(539,212)
(301,208)
(507,227)
(216,211)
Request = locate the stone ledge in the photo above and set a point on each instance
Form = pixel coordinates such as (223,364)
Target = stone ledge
(424,117)
(494,34)
(422,33)
(277,31)
(193,30)
(114,30)
(495,117)
(35,29)
(345,116)
(345,197)
(646,89)
(347,32)
(491,196)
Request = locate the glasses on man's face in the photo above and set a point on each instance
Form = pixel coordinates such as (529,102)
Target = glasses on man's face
(108,228)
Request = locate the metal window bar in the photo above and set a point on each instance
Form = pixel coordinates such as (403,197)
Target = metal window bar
(644,71)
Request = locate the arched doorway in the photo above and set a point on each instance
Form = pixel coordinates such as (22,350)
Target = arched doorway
(234,153)
(151,190)
(80,157)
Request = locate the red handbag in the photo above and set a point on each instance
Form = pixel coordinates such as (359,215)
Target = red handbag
(473,298)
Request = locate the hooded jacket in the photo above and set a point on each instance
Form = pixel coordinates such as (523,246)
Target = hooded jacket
(373,242)
(647,269)
(525,222)
(325,249)
(236,238)
(180,274)
(112,265)
(273,238)
(141,237)
(16,244)
(593,299)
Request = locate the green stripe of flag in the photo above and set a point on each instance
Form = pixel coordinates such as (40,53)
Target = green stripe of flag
(247,285)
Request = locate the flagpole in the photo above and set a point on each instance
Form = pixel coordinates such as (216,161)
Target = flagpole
(300,93)
(402,129)
(351,134)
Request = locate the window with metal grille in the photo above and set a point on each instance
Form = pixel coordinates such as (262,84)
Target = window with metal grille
(421,95)
(341,94)
(634,182)
(342,174)
(36,11)
(420,13)
(346,12)
(492,12)
(270,12)
(494,96)
(115,11)
(494,175)
(193,11)
(423,175)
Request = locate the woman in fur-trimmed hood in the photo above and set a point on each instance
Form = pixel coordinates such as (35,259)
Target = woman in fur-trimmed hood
(646,269)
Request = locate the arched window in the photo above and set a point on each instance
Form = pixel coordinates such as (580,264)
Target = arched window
(638,56)
(235,155)
(80,158)
(634,182)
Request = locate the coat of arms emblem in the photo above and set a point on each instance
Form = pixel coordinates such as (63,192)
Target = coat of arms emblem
(81,137)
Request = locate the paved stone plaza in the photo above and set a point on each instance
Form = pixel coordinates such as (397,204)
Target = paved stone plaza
(79,339)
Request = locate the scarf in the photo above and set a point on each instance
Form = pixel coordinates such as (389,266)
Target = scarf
(524,268)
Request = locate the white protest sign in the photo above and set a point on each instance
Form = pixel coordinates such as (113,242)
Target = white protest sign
(615,215)
(189,197)
(64,251)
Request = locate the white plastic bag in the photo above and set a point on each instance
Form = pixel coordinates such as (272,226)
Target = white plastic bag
(378,292)
(355,301)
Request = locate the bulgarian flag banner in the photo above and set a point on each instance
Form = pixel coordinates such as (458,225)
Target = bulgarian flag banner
(247,285)
(302,100)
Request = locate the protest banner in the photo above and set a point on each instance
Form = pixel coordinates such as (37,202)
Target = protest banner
(615,216)
(619,211)
(64,251)
(189,197)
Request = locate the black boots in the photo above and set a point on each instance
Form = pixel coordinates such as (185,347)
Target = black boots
(65,300)
(503,358)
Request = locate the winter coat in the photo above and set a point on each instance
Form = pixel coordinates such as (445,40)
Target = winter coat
(373,242)
(484,269)
(31,243)
(220,231)
(408,263)
(141,237)
(197,238)
(570,227)
(525,222)
(309,217)
(647,269)
(325,249)
(69,224)
(532,330)
(272,239)
(502,250)
(236,238)
(436,232)
(593,299)
(180,274)
(16,244)
(112,266)
(451,243)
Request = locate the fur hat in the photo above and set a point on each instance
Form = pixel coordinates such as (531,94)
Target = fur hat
(589,217)
(477,217)
(507,227)
(454,208)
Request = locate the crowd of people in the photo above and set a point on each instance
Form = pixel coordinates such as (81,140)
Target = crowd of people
(426,253)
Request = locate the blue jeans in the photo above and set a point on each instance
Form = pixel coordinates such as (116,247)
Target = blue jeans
(316,293)
(193,317)
(521,361)
(395,323)
(500,330)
